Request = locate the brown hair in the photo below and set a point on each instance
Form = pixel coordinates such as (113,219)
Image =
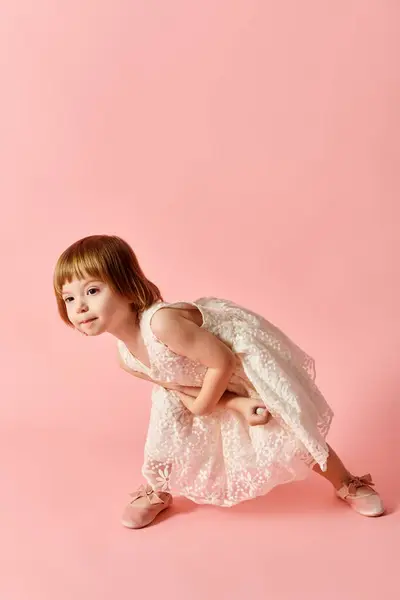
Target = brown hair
(111,260)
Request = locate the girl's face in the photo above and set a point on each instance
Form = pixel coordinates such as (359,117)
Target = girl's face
(93,308)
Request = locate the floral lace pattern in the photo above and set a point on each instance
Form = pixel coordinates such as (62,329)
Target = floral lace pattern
(218,459)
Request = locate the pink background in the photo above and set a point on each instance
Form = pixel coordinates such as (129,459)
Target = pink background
(246,149)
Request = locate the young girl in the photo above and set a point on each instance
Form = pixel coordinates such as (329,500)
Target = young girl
(235,410)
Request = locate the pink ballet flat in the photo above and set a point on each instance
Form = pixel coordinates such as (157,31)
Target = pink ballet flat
(145,506)
(360,495)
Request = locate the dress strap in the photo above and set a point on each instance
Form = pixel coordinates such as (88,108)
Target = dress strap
(145,320)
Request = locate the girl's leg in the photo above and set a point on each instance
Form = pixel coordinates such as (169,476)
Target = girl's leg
(336,472)
(356,491)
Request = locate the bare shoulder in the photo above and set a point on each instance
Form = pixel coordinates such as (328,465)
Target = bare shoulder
(171,317)
(180,329)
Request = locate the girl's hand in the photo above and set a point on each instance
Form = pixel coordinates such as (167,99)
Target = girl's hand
(247,407)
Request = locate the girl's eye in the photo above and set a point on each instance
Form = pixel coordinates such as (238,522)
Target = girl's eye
(69,299)
(92,291)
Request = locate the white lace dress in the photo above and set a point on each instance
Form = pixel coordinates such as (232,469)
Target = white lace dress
(218,459)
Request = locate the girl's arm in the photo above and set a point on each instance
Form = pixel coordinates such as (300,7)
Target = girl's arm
(189,396)
(191,391)
(245,406)
(186,338)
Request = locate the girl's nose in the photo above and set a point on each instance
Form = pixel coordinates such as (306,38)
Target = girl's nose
(81,306)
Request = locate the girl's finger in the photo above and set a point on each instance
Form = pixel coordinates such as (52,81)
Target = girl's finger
(260,419)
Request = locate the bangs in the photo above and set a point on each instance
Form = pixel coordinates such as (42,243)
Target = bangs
(78,263)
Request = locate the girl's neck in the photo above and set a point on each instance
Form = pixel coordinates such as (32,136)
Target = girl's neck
(128,330)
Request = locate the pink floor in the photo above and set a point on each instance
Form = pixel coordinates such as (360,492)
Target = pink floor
(61,498)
